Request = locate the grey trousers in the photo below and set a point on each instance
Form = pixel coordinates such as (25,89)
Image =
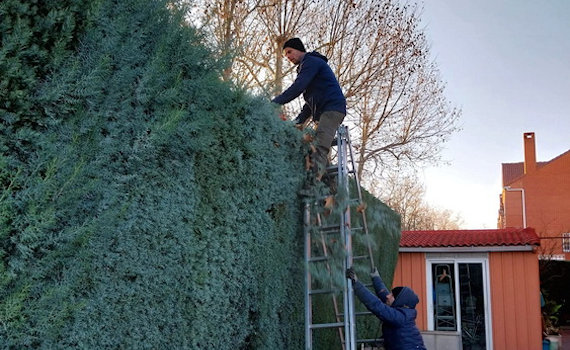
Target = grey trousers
(328,124)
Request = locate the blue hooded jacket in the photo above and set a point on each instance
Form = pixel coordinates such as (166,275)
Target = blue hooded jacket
(399,320)
(320,89)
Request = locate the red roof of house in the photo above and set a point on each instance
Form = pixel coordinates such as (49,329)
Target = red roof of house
(513,171)
(470,238)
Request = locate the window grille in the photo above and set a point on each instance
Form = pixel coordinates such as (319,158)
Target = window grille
(566,242)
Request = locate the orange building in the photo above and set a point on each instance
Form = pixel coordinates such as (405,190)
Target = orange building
(478,289)
(537,194)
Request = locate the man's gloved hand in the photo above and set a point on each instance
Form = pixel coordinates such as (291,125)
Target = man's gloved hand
(351,274)
(374,273)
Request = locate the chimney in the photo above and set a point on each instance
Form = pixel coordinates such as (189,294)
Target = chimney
(529,153)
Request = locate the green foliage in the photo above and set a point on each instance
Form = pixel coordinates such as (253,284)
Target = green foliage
(35,37)
(144,203)
(550,316)
(384,225)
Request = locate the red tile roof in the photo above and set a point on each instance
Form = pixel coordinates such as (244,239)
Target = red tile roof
(512,171)
(469,238)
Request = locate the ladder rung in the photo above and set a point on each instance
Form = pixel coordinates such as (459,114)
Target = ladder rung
(375,341)
(324,291)
(330,228)
(360,313)
(319,259)
(354,201)
(327,325)
(334,170)
(360,257)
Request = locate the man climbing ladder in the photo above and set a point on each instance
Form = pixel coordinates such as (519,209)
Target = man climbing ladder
(324,100)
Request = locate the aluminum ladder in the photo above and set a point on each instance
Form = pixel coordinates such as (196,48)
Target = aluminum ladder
(323,239)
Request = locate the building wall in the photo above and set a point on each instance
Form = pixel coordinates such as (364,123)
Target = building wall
(514,289)
(546,198)
(515,300)
(513,208)
(547,203)
(411,272)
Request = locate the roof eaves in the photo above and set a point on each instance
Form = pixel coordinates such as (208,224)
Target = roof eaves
(469,249)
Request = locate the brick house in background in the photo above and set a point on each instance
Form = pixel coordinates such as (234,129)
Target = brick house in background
(537,194)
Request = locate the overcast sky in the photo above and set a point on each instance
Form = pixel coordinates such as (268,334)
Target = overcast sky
(507,66)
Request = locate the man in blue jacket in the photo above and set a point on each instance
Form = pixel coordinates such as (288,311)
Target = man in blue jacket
(396,310)
(324,100)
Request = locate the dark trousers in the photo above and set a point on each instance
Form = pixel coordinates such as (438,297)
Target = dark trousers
(328,124)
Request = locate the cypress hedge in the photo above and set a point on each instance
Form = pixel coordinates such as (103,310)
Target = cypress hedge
(144,204)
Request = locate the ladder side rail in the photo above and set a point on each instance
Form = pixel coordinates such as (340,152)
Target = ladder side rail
(308,303)
(370,257)
(363,212)
(349,319)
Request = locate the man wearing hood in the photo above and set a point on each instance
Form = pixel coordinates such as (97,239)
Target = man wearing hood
(324,100)
(396,310)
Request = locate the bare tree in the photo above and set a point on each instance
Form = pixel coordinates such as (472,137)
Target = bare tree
(394,92)
(252,33)
(395,97)
(230,25)
(406,195)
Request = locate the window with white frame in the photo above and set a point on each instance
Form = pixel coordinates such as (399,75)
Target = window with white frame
(566,242)
(458,298)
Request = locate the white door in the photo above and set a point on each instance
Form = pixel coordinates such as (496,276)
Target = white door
(458,297)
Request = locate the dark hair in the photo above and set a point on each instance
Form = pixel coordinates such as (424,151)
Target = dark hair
(396,291)
(294,43)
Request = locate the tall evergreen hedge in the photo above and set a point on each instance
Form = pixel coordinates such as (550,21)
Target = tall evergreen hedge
(144,203)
